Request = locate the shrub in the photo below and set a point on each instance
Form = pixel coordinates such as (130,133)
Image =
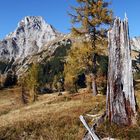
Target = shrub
(11,79)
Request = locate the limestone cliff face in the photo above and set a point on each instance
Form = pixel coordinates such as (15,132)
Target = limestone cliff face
(135,43)
(29,37)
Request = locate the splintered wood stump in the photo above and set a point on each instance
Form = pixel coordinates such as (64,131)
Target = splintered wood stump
(121,104)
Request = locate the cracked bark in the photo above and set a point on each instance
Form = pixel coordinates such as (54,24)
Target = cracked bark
(121,104)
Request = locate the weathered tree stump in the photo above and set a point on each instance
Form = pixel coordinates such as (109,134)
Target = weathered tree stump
(121,104)
(120,100)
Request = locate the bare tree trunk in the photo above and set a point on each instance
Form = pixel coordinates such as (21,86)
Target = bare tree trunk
(121,104)
(94,85)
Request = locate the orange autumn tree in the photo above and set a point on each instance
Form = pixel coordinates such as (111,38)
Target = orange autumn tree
(92,18)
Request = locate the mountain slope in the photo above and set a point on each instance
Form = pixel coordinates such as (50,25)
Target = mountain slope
(135,44)
(28,38)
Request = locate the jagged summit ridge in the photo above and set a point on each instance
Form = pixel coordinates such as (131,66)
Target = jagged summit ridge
(30,35)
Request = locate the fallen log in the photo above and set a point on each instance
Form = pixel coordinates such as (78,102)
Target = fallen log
(91,132)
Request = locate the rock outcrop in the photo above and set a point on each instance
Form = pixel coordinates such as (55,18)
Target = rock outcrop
(29,38)
(135,43)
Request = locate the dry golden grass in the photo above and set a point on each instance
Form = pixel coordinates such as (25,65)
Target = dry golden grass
(55,117)
(52,117)
(10,99)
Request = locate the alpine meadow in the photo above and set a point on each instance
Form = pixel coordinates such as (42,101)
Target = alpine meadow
(77,79)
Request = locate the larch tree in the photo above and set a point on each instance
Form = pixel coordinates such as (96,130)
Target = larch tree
(79,60)
(91,18)
(30,83)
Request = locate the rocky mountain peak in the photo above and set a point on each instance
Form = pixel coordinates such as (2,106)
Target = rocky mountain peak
(29,37)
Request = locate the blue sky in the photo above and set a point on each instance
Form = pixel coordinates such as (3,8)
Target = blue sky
(55,13)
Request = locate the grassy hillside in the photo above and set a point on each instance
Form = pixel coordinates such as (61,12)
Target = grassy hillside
(10,99)
(52,117)
(55,117)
